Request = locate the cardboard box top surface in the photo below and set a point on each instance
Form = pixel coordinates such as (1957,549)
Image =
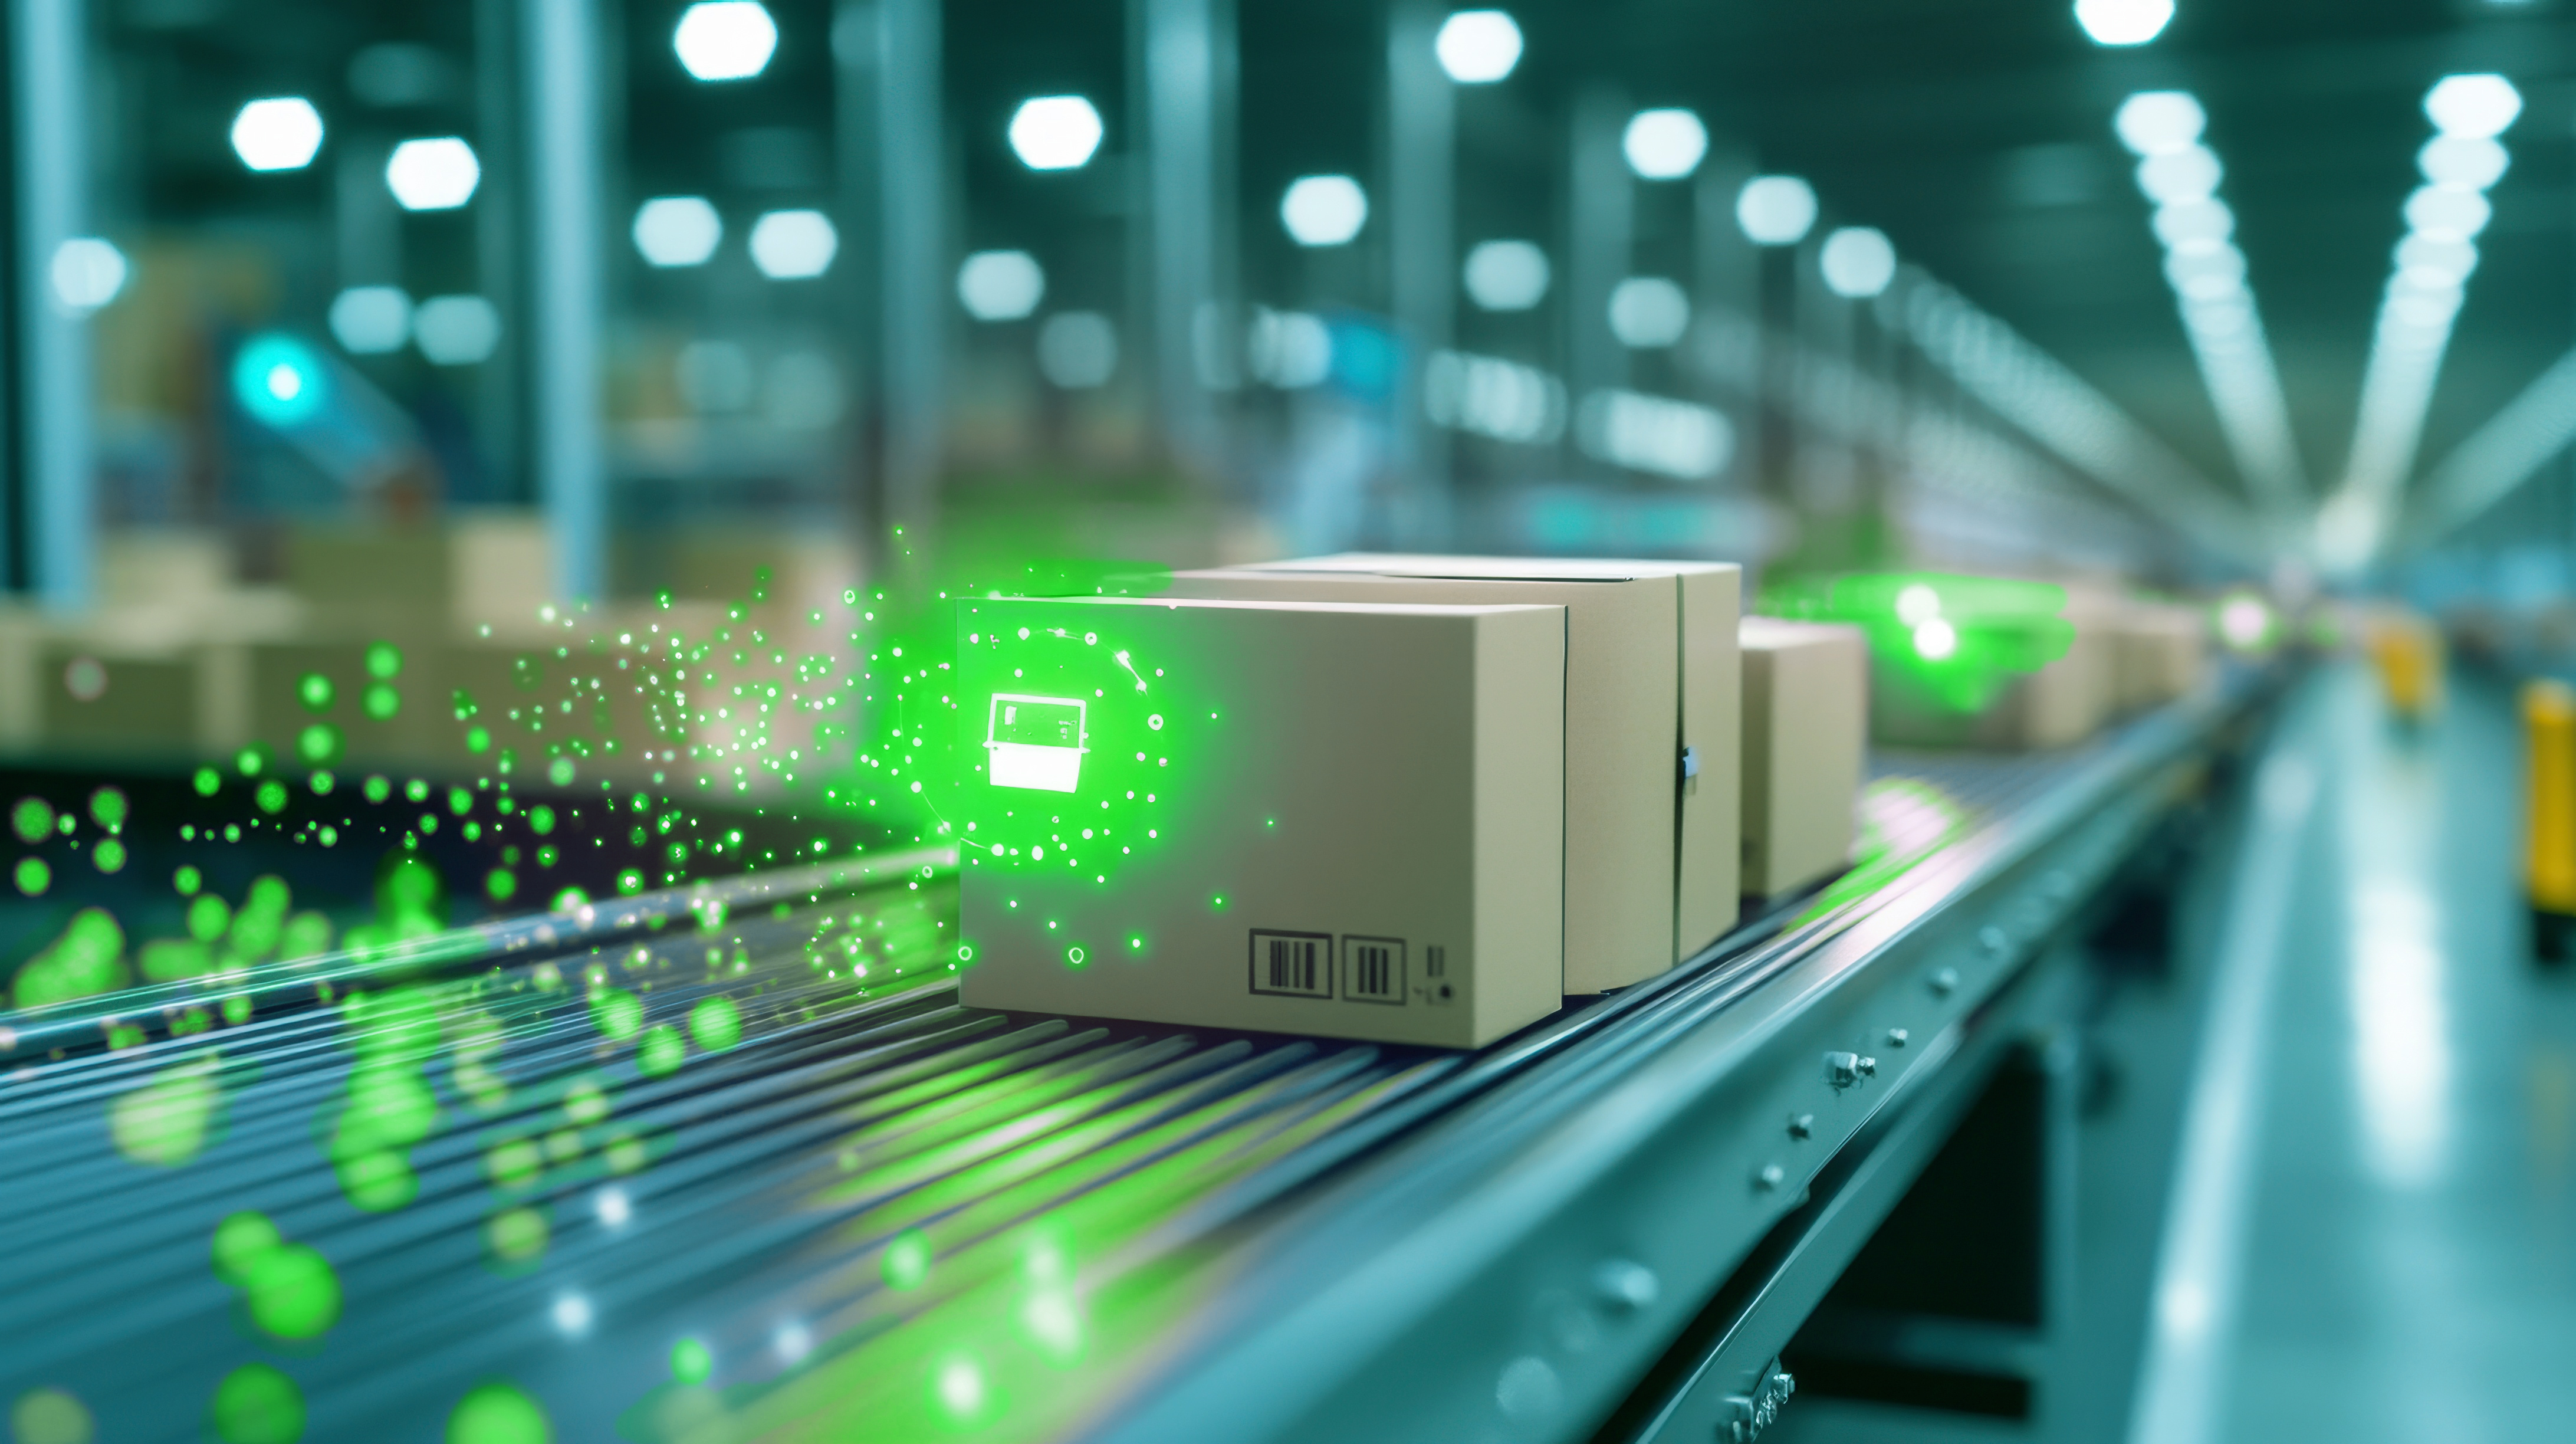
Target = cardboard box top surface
(1463,609)
(1501,569)
(1784,632)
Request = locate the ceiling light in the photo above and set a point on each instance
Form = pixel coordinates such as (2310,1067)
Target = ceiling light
(2185,222)
(2123,22)
(1776,210)
(1000,285)
(2447,214)
(793,245)
(456,330)
(2467,162)
(2152,122)
(1478,47)
(1664,144)
(677,230)
(1678,439)
(2476,106)
(1506,275)
(87,273)
(278,379)
(1323,210)
(725,39)
(433,175)
(1078,350)
(371,320)
(1648,312)
(277,134)
(1857,261)
(1055,132)
(2458,258)
(2189,174)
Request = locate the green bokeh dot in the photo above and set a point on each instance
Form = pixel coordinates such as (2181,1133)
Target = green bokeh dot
(318,745)
(33,876)
(109,855)
(242,1240)
(691,1361)
(292,1292)
(315,691)
(381,701)
(32,819)
(208,781)
(617,1012)
(715,1024)
(108,808)
(661,1051)
(272,796)
(906,1265)
(498,1412)
(384,661)
(501,886)
(51,1416)
(257,1404)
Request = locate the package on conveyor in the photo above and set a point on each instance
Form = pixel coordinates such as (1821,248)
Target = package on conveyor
(1652,731)
(1964,661)
(167,679)
(1332,819)
(1806,710)
(2160,652)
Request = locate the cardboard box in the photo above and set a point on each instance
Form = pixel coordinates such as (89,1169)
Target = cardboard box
(1343,820)
(1652,732)
(2160,654)
(1806,716)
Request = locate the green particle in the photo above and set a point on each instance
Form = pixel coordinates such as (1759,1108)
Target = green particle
(32,819)
(417,790)
(187,880)
(630,882)
(377,1182)
(906,1265)
(498,1412)
(478,739)
(661,1052)
(626,1154)
(249,762)
(514,1164)
(516,1235)
(541,819)
(292,1292)
(272,796)
(460,800)
(546,856)
(88,959)
(617,1012)
(242,1240)
(257,1404)
(315,691)
(318,745)
(560,772)
(108,808)
(208,917)
(51,1416)
(378,789)
(207,781)
(305,935)
(167,1121)
(586,1103)
(692,1362)
(380,701)
(33,876)
(384,661)
(501,886)
(323,783)
(715,1024)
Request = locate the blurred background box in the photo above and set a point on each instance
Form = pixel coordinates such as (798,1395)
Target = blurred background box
(2162,652)
(1806,720)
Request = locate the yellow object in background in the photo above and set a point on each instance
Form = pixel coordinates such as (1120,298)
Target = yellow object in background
(2549,735)
(2408,653)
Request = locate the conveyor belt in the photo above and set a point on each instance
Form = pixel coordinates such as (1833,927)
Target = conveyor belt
(782,1199)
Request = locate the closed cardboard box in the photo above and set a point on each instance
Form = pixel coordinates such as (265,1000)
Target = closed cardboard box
(1342,820)
(1806,720)
(1652,732)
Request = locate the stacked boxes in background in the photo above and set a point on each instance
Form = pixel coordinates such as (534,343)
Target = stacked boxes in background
(1806,705)
(1317,818)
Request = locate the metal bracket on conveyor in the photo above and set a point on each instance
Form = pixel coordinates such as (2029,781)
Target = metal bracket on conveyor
(1747,1415)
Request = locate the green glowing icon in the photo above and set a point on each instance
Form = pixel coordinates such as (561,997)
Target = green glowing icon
(1036,742)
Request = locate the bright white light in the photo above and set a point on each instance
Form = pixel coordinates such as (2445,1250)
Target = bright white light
(280,133)
(1478,47)
(1055,132)
(2189,174)
(2123,22)
(677,230)
(961,1387)
(1776,210)
(1000,285)
(2469,162)
(438,174)
(1488,396)
(1664,144)
(2474,106)
(2245,622)
(1935,639)
(87,273)
(2456,259)
(611,1205)
(1323,210)
(1078,350)
(1917,604)
(2152,122)
(1291,350)
(1678,439)
(371,320)
(1648,312)
(793,1341)
(2446,214)
(1857,262)
(725,39)
(2187,224)
(456,330)
(2215,273)
(572,1315)
(793,245)
(2397,979)
(1506,275)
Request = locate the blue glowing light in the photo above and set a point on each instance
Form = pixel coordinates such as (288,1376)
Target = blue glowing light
(279,380)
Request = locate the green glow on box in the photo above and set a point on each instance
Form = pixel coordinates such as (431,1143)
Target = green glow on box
(1951,642)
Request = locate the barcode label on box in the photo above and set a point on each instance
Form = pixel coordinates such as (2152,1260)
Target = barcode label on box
(1293,965)
(1373,970)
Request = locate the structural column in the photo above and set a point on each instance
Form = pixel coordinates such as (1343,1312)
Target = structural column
(1422,110)
(913,284)
(1601,227)
(48,67)
(561,101)
(1187,59)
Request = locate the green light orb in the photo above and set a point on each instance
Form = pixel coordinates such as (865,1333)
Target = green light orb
(51,1416)
(315,691)
(661,1052)
(257,1404)
(207,781)
(318,745)
(249,762)
(501,885)
(498,1412)
(33,876)
(241,1240)
(109,855)
(617,1012)
(32,819)
(906,1265)
(384,661)
(691,1361)
(517,1235)
(272,796)
(292,1292)
(380,701)
(715,1024)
